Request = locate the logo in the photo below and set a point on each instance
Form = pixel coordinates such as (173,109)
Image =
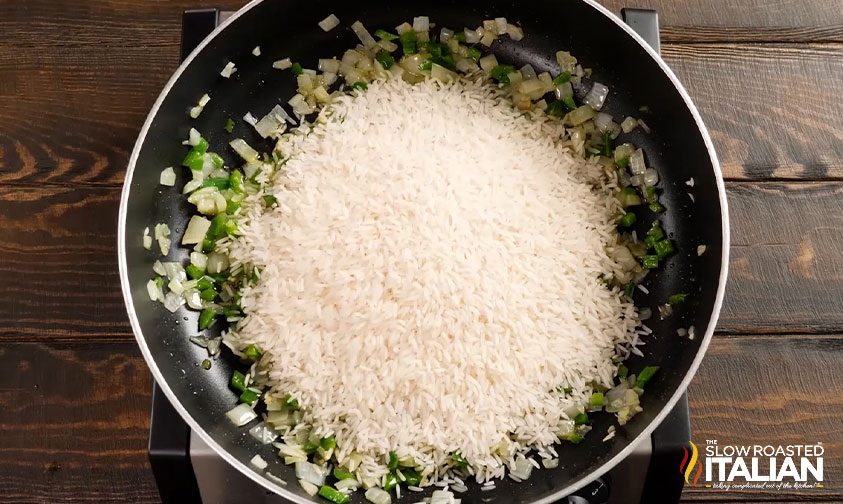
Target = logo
(744,467)
(689,469)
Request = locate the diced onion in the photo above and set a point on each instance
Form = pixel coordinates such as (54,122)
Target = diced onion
(348,484)
(168,177)
(551,463)
(603,122)
(256,51)
(273,123)
(378,496)
(311,473)
(263,433)
(651,177)
(155,293)
(217,263)
(701,250)
(566,62)
(282,64)
(421,24)
(596,97)
(629,124)
(403,28)
(258,462)
(580,115)
(329,23)
(471,36)
(441,73)
(228,70)
(196,230)
(244,150)
(194,137)
(204,100)
(241,414)
(501,25)
(636,162)
(147,240)
(363,34)
(466,65)
(445,35)
(487,63)
(199,259)
(250,119)
(173,301)
(308,487)
(329,65)
(522,469)
(487,38)
(528,72)
(516,33)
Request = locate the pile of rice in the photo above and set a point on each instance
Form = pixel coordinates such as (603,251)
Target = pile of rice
(432,278)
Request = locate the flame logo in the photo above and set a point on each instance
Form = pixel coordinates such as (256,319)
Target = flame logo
(689,469)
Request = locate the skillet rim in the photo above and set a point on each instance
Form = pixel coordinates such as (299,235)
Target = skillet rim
(561,493)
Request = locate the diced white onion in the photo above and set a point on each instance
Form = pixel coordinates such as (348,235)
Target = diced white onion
(487,63)
(196,230)
(471,36)
(445,35)
(516,33)
(162,233)
(155,293)
(596,97)
(378,496)
(228,70)
(217,263)
(168,177)
(244,150)
(258,462)
(191,296)
(173,301)
(194,137)
(501,25)
(204,100)
(282,64)
(466,65)
(329,23)
(528,72)
(199,259)
(551,463)
(442,497)
(421,24)
(196,112)
(522,468)
(241,414)
(403,28)
(147,240)
(363,34)
(273,123)
(263,433)
(329,65)
(308,487)
(603,122)
(701,250)
(256,51)
(629,124)
(636,162)
(311,473)
(487,38)
(250,119)
(347,485)
(651,177)
(441,73)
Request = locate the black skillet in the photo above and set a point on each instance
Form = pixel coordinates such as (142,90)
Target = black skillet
(679,147)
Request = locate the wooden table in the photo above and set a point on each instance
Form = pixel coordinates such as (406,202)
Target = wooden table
(77,79)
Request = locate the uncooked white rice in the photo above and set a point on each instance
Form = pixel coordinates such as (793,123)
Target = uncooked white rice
(430,275)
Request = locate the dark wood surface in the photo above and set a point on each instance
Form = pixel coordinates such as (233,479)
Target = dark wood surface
(78,77)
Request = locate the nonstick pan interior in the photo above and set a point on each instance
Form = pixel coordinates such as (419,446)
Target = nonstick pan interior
(676,147)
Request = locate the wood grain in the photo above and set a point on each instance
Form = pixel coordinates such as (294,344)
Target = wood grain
(776,390)
(44,22)
(74,423)
(74,416)
(58,260)
(772,110)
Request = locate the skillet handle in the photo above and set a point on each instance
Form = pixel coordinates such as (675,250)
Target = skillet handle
(645,22)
